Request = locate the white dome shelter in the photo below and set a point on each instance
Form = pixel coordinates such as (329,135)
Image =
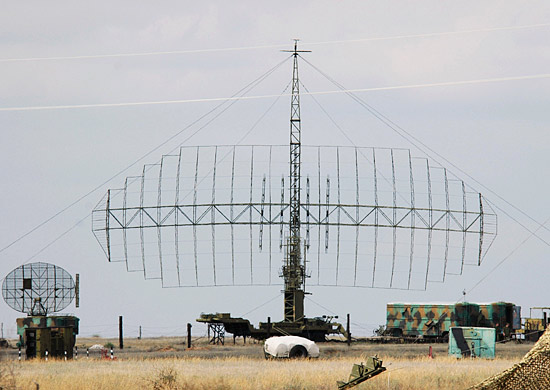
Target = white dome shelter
(290,347)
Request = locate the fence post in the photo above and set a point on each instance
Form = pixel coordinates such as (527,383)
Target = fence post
(189,335)
(87,353)
(120,342)
(349,333)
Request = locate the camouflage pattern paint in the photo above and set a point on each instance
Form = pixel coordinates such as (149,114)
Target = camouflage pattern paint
(47,322)
(55,335)
(435,320)
(419,319)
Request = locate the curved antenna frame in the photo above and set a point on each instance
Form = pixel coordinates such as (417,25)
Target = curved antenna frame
(38,289)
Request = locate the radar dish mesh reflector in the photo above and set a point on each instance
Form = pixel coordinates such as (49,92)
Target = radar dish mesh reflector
(38,289)
(370,217)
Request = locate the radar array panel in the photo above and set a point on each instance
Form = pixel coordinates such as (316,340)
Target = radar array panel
(219,215)
(38,289)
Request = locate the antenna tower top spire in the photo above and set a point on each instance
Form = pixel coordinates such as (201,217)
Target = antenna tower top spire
(296,51)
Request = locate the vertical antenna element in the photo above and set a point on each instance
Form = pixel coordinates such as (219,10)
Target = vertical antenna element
(373,192)
(294,268)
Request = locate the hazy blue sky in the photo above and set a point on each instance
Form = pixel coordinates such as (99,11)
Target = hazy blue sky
(496,132)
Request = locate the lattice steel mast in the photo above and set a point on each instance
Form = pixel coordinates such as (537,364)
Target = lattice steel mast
(406,221)
(294,272)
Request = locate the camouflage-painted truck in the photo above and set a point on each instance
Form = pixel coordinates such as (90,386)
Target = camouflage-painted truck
(52,335)
(433,321)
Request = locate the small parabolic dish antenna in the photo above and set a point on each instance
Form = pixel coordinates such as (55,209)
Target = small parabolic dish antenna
(38,289)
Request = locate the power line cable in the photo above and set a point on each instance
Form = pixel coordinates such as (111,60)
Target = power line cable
(384,119)
(506,257)
(249,130)
(53,241)
(57,238)
(434,34)
(415,142)
(343,132)
(321,306)
(225,99)
(262,305)
(140,159)
(271,46)
(141,54)
(238,143)
(259,80)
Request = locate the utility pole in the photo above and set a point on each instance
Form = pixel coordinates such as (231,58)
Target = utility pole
(294,272)
(120,336)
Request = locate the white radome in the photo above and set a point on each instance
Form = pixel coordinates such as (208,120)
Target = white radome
(290,347)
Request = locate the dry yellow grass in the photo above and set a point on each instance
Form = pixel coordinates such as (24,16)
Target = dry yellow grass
(247,373)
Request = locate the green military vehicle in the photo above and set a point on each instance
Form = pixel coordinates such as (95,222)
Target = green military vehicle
(432,322)
(315,329)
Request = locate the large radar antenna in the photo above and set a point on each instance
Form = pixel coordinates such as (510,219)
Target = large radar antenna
(38,289)
(294,270)
(366,217)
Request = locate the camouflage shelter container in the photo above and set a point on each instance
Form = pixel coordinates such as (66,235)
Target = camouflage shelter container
(419,320)
(494,315)
(435,320)
(55,334)
(504,317)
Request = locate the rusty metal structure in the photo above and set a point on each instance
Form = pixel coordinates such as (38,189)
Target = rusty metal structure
(338,216)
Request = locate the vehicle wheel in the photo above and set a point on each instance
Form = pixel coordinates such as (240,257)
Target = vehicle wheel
(298,351)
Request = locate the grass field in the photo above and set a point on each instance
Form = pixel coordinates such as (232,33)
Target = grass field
(243,367)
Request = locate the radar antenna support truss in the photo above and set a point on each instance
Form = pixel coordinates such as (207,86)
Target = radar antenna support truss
(398,221)
(294,272)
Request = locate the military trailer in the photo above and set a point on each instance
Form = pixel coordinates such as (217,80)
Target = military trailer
(54,334)
(534,327)
(432,322)
(315,329)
